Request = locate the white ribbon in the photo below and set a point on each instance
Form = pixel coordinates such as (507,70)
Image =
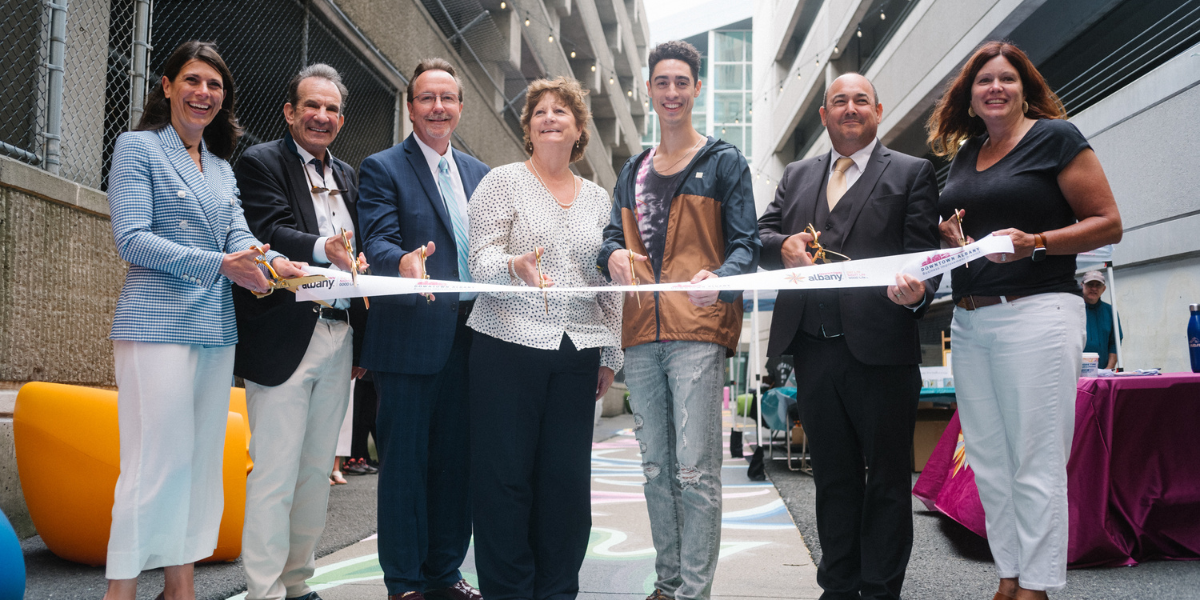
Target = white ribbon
(870,272)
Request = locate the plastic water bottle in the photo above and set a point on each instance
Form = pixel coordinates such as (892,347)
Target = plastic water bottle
(1194,337)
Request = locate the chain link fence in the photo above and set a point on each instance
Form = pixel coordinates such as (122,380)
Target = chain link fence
(72,79)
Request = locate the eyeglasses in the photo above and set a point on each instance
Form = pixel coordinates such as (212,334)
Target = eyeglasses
(820,255)
(316,189)
(447,99)
(537,253)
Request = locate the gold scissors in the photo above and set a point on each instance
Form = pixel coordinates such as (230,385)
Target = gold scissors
(633,275)
(279,283)
(425,274)
(819,256)
(537,253)
(354,265)
(962,238)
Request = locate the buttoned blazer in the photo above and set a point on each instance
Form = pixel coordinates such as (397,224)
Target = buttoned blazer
(891,209)
(173,225)
(400,209)
(274,332)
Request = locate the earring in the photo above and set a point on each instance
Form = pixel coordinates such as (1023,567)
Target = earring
(1024,106)
(529,147)
(971,112)
(576,143)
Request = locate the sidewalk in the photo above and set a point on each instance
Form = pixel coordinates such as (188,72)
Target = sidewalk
(762,552)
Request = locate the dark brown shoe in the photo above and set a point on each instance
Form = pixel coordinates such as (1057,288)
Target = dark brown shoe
(659,595)
(459,591)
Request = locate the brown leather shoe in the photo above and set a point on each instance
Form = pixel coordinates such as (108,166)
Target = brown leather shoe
(459,591)
(407,596)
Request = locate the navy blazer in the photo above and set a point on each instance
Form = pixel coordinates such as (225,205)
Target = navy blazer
(274,332)
(399,210)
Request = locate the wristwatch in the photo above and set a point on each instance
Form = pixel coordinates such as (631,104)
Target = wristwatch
(1039,247)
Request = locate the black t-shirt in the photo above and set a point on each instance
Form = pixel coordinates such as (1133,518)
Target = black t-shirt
(1019,191)
(656,195)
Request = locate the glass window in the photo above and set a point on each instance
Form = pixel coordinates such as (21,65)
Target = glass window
(729,46)
(729,77)
(732,134)
(729,106)
(699,121)
(748,145)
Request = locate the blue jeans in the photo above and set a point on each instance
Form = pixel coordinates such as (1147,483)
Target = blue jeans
(675,393)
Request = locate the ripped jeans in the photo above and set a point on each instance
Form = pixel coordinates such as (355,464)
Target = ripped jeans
(675,393)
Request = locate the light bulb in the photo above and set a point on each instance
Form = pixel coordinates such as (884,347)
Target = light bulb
(835,49)
(551,38)
(781,87)
(527,22)
(751,112)
(629,93)
(572,54)
(593,68)
(503,5)
(817,60)
(722,131)
(735,121)
(797,75)
(611,81)
(881,15)
(858,32)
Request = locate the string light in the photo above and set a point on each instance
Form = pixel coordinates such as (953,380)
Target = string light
(527,21)
(552,38)
(797,75)
(593,68)
(503,5)
(881,15)
(858,31)
(722,131)
(572,54)
(611,81)
(817,60)
(629,93)
(835,49)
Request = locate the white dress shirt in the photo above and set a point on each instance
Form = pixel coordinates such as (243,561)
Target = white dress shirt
(332,215)
(433,158)
(854,171)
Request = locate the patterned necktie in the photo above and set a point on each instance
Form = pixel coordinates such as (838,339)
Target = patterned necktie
(458,220)
(837,182)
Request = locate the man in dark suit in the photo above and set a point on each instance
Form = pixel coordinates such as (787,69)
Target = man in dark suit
(856,349)
(296,357)
(413,206)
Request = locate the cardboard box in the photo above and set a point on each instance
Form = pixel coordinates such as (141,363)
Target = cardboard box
(931,422)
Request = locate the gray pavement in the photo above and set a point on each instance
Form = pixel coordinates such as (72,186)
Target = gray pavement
(950,562)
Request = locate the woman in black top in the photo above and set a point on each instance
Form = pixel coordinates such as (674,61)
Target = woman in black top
(1022,171)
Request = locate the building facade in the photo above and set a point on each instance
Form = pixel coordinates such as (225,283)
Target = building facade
(1126,71)
(74,76)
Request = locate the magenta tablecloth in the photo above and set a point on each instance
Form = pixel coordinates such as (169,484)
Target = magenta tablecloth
(1133,480)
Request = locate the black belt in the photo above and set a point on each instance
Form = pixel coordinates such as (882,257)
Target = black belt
(332,314)
(465,308)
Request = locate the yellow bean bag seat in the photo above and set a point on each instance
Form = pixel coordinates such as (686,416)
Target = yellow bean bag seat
(68,458)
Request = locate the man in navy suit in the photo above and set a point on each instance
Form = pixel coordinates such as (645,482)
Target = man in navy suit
(413,210)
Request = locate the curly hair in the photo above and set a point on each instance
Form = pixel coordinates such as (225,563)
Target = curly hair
(950,125)
(223,132)
(570,93)
(676,50)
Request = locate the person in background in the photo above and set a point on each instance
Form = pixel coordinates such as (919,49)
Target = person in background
(364,403)
(413,206)
(177,221)
(856,351)
(535,223)
(682,211)
(1101,338)
(297,357)
(1019,170)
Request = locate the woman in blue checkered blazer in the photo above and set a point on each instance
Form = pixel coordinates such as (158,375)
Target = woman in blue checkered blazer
(177,222)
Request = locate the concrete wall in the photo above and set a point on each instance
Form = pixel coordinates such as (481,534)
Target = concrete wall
(59,280)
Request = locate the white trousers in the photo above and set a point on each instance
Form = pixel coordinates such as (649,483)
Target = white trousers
(1016,366)
(173,402)
(293,435)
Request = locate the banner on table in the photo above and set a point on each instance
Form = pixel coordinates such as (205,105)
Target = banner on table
(870,272)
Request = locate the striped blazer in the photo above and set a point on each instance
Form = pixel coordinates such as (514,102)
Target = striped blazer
(173,225)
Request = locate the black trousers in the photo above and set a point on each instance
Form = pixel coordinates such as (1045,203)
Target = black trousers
(859,420)
(366,402)
(424,464)
(531,439)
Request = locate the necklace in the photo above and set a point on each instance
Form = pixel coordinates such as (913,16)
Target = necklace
(574,186)
(678,160)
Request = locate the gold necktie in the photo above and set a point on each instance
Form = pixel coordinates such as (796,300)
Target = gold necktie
(837,182)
